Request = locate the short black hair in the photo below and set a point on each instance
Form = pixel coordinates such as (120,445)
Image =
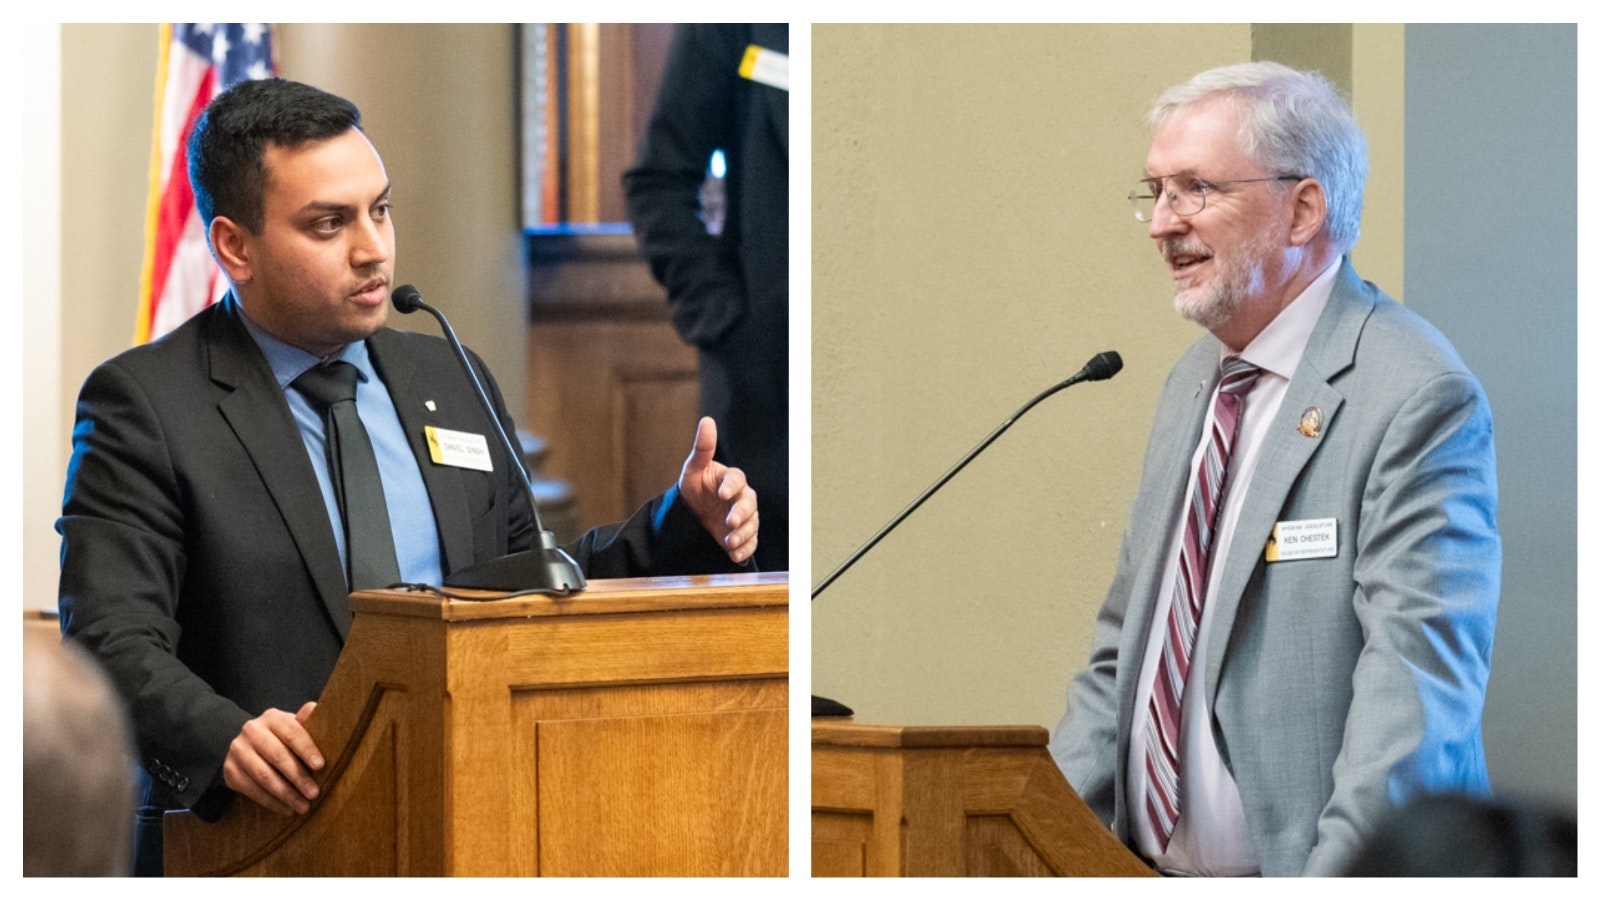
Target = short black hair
(230,139)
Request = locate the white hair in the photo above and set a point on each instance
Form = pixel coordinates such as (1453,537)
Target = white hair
(1292,123)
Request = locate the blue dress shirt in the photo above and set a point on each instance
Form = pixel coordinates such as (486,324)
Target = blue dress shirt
(416,533)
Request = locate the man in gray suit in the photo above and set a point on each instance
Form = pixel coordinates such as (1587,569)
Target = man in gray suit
(1298,634)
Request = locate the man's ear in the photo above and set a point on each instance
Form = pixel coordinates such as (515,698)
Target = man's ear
(230,245)
(1310,212)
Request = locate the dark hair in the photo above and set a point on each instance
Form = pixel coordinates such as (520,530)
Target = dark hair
(1455,835)
(231,136)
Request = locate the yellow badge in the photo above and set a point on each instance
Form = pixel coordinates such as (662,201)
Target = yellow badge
(1305,539)
(461,449)
(763,66)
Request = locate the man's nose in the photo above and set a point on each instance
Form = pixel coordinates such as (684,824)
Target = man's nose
(1163,221)
(369,243)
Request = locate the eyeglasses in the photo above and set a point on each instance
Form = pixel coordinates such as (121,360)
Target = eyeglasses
(1186,195)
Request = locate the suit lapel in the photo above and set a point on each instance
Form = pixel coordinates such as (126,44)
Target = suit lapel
(411,394)
(259,416)
(1285,452)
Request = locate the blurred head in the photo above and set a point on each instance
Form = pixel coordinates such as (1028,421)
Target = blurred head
(1456,835)
(78,765)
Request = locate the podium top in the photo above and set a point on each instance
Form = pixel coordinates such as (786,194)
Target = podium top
(848,733)
(604,596)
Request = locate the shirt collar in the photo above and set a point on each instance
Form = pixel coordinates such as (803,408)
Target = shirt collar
(1279,346)
(289,362)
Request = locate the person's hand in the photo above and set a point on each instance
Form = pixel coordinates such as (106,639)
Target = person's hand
(272,759)
(719,496)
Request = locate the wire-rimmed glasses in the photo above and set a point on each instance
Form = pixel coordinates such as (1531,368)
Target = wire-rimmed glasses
(1186,194)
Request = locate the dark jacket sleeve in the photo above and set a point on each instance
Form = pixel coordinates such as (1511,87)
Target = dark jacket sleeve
(122,565)
(663,537)
(695,113)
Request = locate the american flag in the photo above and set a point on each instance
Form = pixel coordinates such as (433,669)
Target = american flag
(198,62)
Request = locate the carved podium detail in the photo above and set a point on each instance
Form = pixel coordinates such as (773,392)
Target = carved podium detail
(950,801)
(638,728)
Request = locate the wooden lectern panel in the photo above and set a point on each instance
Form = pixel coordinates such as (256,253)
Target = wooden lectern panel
(950,801)
(593,818)
(637,728)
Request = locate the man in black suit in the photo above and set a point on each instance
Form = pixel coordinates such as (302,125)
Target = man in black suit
(725,87)
(203,554)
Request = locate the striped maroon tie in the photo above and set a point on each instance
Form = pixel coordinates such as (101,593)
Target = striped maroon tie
(1188,596)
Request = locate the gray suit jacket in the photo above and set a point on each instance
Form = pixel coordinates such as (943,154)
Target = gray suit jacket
(1341,686)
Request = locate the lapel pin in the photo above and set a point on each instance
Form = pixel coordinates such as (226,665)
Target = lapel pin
(1311,422)
(432,408)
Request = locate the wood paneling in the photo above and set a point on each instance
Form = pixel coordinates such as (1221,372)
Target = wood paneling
(950,801)
(635,729)
(610,385)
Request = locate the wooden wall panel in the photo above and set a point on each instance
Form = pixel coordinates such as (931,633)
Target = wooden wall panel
(611,388)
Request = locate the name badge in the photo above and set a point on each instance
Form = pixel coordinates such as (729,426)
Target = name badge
(461,449)
(1305,539)
(763,66)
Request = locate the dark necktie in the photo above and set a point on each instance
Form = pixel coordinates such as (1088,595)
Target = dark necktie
(369,545)
(1165,749)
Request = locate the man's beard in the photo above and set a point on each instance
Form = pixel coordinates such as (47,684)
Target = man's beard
(1236,277)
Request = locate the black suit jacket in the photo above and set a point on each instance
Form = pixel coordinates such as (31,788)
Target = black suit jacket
(198,560)
(729,292)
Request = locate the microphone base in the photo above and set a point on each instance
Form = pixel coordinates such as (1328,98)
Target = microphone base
(544,570)
(822,707)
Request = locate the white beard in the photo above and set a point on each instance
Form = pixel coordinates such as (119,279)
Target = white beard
(1235,278)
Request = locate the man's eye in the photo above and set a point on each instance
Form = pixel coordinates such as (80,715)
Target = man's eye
(382,210)
(326,226)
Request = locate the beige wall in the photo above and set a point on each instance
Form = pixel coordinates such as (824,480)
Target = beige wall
(972,245)
(438,102)
(1377,93)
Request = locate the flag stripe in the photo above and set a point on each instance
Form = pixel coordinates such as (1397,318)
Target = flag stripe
(152,205)
(196,63)
(177,201)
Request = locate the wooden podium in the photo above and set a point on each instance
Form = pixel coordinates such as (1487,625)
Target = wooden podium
(637,728)
(950,801)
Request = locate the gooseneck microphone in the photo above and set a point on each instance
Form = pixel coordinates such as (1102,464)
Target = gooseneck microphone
(1103,366)
(545,569)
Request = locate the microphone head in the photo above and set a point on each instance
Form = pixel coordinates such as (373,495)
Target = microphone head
(408,299)
(1103,366)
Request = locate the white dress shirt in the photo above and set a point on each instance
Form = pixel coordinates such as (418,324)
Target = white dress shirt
(1211,837)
